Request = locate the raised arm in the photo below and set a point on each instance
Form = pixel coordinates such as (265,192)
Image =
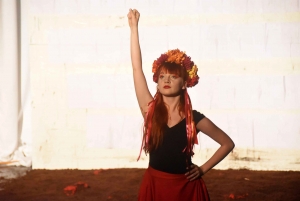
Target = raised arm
(141,88)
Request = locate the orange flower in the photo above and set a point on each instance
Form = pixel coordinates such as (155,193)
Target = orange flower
(178,57)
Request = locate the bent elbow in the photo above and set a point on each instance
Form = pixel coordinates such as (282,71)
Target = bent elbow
(232,145)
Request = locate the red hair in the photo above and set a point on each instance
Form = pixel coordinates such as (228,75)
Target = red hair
(160,114)
(156,117)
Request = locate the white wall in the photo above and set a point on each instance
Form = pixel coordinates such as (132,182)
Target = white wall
(85,114)
(9,71)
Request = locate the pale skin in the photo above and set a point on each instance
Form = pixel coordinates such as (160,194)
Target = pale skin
(169,85)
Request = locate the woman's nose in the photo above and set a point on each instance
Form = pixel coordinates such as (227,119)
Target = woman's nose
(167,79)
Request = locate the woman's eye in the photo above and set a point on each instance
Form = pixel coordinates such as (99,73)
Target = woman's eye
(161,76)
(174,76)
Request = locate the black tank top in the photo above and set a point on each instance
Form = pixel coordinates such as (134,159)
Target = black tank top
(168,157)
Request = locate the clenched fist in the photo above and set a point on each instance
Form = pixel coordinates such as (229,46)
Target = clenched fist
(133,18)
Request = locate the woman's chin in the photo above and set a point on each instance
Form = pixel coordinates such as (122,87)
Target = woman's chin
(171,94)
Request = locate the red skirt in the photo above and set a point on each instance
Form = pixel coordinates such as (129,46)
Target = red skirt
(162,186)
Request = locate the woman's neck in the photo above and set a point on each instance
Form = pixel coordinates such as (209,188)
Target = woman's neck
(172,103)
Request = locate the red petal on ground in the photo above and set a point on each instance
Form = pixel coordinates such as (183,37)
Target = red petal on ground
(96,172)
(70,190)
(231,196)
(80,183)
(235,197)
(242,196)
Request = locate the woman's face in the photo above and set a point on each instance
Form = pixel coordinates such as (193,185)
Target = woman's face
(170,84)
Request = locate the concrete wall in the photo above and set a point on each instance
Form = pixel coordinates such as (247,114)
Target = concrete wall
(85,114)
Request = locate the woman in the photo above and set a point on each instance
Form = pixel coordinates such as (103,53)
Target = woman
(171,126)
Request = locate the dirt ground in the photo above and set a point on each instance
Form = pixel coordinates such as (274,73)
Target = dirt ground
(123,184)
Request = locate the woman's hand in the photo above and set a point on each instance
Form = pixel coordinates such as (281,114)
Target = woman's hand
(194,173)
(133,18)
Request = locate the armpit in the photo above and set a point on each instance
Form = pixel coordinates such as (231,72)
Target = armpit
(144,109)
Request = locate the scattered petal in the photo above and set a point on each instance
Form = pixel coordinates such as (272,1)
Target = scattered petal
(235,197)
(71,189)
(231,196)
(96,172)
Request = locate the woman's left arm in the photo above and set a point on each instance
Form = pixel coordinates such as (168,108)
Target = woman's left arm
(210,129)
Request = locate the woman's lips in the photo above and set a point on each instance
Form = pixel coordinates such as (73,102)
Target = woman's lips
(167,87)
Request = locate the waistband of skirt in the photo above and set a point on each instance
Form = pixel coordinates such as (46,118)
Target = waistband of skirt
(156,173)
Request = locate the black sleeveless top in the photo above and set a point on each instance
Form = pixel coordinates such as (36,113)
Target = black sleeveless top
(168,157)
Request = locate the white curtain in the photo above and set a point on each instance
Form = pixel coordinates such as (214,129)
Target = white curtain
(15,140)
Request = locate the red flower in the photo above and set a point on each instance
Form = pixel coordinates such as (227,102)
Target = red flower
(192,81)
(187,63)
(178,57)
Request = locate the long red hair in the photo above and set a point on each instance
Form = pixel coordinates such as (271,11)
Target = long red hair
(160,114)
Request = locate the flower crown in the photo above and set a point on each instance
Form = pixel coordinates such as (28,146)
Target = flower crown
(178,57)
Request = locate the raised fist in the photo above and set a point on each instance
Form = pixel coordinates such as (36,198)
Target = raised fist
(133,17)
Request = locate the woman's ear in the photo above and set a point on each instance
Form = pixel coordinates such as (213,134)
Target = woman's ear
(184,85)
